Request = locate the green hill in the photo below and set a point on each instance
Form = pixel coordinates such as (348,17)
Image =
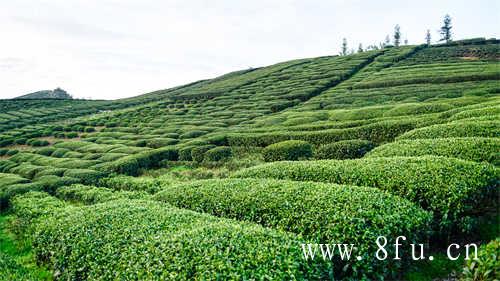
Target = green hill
(173,184)
(57,93)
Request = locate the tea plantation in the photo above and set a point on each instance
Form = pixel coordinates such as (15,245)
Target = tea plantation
(226,178)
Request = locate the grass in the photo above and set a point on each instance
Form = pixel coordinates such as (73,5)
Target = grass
(20,252)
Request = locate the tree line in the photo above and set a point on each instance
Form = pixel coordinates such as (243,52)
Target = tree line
(444,31)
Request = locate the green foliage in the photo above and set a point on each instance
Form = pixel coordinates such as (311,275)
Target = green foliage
(348,149)
(37,142)
(127,183)
(487,129)
(198,152)
(455,190)
(130,165)
(85,176)
(319,212)
(185,153)
(378,132)
(167,243)
(488,265)
(51,183)
(287,150)
(92,195)
(218,153)
(474,149)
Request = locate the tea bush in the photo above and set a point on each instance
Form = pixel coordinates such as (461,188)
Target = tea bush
(474,149)
(85,176)
(455,190)
(167,243)
(348,149)
(218,153)
(198,152)
(131,164)
(488,265)
(320,212)
(89,195)
(379,132)
(287,150)
(489,129)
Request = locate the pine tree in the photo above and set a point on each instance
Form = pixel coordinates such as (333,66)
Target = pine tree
(428,37)
(387,41)
(360,48)
(446,29)
(397,35)
(344,47)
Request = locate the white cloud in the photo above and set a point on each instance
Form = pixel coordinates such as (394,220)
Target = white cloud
(121,48)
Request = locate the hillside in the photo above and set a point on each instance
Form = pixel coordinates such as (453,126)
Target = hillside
(173,184)
(57,93)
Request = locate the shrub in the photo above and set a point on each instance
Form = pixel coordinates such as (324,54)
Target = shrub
(131,164)
(287,150)
(6,165)
(198,152)
(343,214)
(20,141)
(51,183)
(160,142)
(31,206)
(27,170)
(47,151)
(167,243)
(488,265)
(89,195)
(348,149)
(37,142)
(218,140)
(128,183)
(6,142)
(192,134)
(51,172)
(3,151)
(379,132)
(60,152)
(89,129)
(11,152)
(218,153)
(85,176)
(455,190)
(488,129)
(474,149)
(106,157)
(7,179)
(185,153)
(15,189)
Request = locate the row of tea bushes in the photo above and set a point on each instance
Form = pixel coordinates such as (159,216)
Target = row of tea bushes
(148,240)
(89,195)
(348,149)
(379,132)
(320,212)
(455,190)
(130,165)
(128,183)
(487,129)
(475,149)
(287,150)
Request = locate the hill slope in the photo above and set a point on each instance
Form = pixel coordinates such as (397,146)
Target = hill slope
(423,121)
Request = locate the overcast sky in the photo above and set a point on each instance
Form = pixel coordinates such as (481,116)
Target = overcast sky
(108,49)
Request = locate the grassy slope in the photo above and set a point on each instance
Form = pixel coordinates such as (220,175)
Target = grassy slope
(339,96)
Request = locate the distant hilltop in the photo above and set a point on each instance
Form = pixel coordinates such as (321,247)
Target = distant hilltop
(57,93)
